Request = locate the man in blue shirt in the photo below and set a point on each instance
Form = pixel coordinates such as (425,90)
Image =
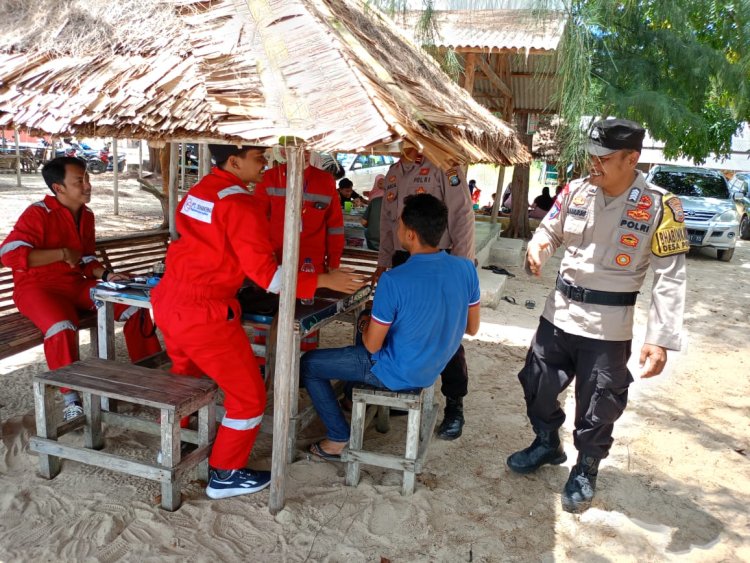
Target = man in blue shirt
(421,311)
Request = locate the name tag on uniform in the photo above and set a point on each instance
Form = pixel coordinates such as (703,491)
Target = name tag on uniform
(198,209)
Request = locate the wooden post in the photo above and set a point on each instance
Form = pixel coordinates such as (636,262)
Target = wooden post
(18,157)
(140,158)
(172,190)
(183,148)
(206,167)
(470,71)
(115,168)
(498,195)
(285,351)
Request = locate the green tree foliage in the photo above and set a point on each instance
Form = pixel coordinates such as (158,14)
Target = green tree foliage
(681,67)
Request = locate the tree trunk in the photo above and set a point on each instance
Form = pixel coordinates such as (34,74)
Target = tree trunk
(519,189)
(164,160)
(154,164)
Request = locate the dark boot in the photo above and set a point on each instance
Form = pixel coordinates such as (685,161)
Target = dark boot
(453,419)
(546,448)
(581,485)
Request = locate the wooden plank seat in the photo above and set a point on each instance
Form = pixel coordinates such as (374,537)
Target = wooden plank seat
(419,428)
(132,253)
(174,396)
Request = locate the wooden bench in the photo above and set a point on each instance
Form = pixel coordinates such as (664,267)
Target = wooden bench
(173,396)
(420,425)
(131,253)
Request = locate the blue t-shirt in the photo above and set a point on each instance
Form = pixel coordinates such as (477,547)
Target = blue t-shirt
(425,301)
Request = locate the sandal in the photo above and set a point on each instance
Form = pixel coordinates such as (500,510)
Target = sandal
(499,270)
(318,451)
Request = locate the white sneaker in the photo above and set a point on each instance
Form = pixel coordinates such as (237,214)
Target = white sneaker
(71,411)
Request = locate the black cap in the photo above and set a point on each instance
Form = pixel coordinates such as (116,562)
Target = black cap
(610,135)
(221,153)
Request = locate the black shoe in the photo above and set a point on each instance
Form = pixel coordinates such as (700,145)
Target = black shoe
(546,448)
(581,485)
(453,419)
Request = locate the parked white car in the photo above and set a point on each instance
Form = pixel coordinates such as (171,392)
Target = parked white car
(710,214)
(362,169)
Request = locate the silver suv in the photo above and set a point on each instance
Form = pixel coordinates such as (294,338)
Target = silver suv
(710,215)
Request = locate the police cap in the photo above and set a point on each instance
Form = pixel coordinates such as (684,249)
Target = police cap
(611,135)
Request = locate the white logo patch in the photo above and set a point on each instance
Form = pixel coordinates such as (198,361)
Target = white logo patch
(199,209)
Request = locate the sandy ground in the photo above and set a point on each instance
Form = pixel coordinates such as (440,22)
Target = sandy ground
(675,487)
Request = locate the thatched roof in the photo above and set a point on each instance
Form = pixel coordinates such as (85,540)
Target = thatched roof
(334,72)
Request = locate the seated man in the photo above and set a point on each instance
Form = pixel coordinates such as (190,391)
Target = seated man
(51,250)
(347,193)
(420,313)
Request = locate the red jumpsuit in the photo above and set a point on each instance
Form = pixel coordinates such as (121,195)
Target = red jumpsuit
(322,236)
(51,296)
(223,239)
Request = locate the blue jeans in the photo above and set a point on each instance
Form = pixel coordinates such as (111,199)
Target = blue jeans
(319,367)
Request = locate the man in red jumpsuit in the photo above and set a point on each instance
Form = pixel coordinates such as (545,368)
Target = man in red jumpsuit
(322,235)
(51,250)
(224,237)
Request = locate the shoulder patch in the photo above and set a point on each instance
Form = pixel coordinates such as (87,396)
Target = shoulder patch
(198,209)
(453,178)
(671,235)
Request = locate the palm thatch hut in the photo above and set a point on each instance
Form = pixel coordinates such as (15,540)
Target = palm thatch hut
(332,72)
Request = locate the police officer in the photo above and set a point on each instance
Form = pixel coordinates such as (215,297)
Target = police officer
(614,226)
(414,174)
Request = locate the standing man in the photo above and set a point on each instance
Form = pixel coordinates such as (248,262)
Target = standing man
(322,235)
(224,237)
(414,174)
(614,226)
(51,251)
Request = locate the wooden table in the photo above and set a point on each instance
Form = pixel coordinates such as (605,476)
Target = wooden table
(328,306)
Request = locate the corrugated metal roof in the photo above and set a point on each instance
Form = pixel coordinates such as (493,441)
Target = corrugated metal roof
(521,30)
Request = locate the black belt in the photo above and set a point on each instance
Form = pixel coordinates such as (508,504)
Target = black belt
(594,296)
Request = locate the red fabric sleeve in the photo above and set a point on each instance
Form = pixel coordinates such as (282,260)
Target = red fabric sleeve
(27,235)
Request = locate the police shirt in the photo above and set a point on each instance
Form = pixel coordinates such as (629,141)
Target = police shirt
(609,247)
(406,178)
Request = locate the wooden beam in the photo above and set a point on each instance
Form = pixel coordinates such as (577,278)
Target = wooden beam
(469,71)
(504,51)
(494,78)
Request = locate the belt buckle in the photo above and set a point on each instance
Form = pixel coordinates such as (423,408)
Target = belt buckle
(576,293)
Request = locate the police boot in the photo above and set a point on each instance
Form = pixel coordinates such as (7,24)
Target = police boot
(579,490)
(453,419)
(546,448)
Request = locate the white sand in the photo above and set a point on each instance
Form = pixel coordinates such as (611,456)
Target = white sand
(676,485)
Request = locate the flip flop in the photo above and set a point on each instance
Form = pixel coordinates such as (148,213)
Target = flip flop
(317,451)
(510,299)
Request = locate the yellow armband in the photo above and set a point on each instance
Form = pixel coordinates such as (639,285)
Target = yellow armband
(671,235)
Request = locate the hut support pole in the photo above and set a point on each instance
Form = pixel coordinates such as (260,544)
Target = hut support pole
(206,165)
(498,195)
(18,157)
(116,171)
(172,191)
(140,158)
(285,353)
(183,156)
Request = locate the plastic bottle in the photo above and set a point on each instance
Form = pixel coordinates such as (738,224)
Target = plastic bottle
(307,266)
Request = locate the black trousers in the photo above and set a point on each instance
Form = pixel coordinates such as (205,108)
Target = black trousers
(602,379)
(455,376)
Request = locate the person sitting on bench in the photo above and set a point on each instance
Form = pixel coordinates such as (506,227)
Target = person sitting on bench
(51,251)
(420,313)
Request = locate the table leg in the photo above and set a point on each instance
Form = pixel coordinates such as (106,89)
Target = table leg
(46,426)
(92,432)
(105,336)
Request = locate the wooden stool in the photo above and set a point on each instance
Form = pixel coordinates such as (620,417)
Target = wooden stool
(94,379)
(419,429)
